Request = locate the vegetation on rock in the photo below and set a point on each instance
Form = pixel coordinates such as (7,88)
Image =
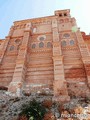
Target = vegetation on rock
(33,110)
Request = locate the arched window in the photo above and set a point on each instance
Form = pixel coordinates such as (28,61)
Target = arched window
(49,45)
(11,48)
(33,46)
(41,44)
(71,42)
(63,43)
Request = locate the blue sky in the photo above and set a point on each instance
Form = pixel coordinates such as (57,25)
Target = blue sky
(13,10)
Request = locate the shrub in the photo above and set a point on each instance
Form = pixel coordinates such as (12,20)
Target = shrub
(33,110)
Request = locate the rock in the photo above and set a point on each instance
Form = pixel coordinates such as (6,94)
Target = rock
(49,116)
(10,106)
(57,115)
(47,103)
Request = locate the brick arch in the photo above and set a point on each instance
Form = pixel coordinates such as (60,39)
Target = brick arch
(72,42)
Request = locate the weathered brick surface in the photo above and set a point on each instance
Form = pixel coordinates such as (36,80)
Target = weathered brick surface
(44,52)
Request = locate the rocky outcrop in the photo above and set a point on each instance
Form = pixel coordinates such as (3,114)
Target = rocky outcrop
(10,107)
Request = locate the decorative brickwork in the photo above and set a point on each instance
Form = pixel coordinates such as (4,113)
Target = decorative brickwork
(47,54)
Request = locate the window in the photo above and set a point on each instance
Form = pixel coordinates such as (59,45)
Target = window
(66,35)
(71,42)
(65,14)
(49,45)
(41,44)
(33,46)
(60,15)
(63,43)
(11,48)
(41,38)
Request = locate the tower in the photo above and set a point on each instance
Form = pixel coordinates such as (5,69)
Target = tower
(75,55)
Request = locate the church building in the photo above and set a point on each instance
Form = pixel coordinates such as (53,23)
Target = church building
(46,54)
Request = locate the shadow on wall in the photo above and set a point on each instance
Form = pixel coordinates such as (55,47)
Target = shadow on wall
(3,88)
